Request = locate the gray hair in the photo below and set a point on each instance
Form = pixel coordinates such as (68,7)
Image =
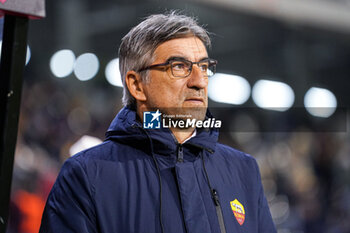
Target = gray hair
(137,47)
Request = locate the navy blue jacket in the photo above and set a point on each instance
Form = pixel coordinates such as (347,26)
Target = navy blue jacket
(142,180)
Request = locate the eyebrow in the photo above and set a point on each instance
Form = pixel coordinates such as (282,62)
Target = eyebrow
(182,58)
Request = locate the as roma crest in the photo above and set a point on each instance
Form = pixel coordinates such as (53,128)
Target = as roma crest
(238,211)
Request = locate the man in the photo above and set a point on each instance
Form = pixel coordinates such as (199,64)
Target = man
(167,180)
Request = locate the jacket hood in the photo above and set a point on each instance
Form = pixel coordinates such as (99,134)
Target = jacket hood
(127,128)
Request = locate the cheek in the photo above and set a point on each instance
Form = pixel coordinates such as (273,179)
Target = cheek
(163,90)
(169,95)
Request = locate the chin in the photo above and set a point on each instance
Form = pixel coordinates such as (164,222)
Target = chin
(195,112)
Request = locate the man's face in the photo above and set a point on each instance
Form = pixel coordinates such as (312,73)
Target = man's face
(174,95)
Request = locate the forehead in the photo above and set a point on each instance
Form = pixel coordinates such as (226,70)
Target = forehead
(190,48)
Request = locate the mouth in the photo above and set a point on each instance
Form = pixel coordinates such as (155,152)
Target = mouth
(196,99)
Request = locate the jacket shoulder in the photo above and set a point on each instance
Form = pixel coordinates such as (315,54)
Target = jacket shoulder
(232,153)
(107,151)
(236,160)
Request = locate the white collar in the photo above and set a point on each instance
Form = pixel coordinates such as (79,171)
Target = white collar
(192,135)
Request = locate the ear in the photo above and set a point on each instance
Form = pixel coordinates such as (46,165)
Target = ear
(135,85)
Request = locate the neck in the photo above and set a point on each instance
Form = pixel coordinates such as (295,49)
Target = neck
(182,134)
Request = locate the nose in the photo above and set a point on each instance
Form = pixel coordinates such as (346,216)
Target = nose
(196,79)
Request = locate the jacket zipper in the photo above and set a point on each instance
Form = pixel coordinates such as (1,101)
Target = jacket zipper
(214,194)
(180,154)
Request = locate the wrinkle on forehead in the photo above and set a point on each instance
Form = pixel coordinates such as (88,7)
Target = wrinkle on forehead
(190,48)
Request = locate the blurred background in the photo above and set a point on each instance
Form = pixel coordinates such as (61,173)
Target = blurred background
(281,90)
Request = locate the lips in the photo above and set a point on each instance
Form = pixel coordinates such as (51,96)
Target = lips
(196,99)
(195,102)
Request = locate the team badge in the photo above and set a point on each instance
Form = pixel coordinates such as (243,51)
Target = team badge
(238,211)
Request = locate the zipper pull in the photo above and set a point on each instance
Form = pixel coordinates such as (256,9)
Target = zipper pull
(180,154)
(215,197)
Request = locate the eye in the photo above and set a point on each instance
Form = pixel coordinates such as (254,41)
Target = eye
(204,66)
(178,65)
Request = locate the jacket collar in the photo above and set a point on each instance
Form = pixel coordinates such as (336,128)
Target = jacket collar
(127,128)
